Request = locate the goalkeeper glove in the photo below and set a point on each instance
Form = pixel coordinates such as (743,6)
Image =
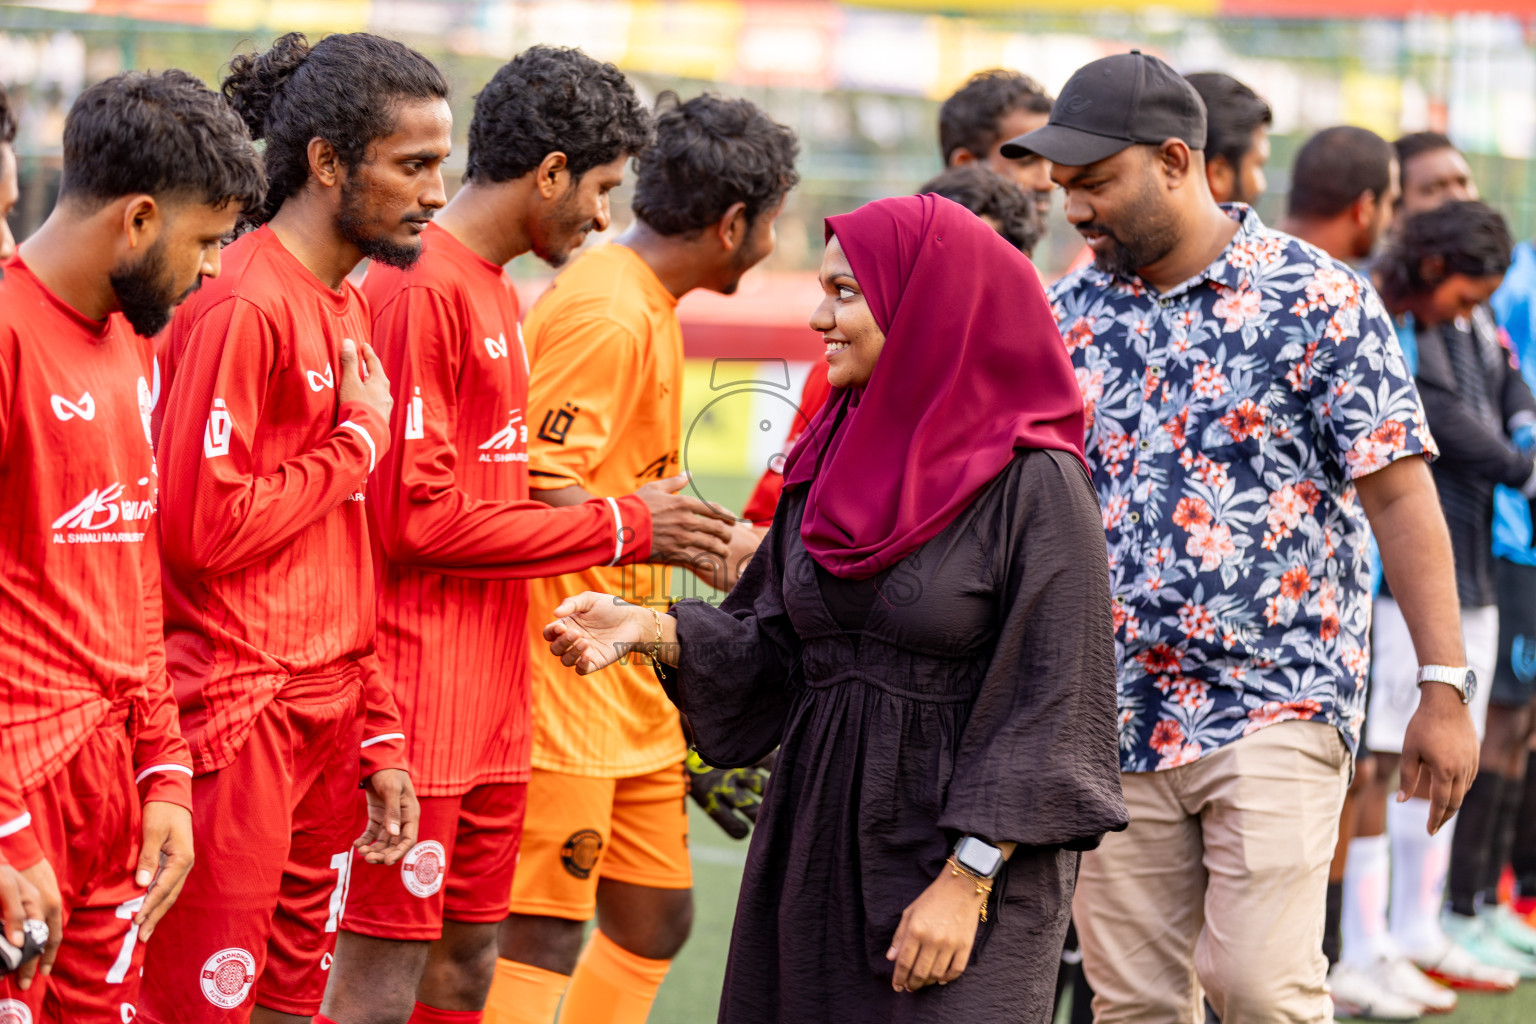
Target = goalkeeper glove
(731,796)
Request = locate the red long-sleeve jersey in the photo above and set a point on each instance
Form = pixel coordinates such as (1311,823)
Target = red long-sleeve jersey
(456,533)
(80,625)
(268,572)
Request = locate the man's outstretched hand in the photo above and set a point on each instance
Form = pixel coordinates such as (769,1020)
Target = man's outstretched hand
(685,530)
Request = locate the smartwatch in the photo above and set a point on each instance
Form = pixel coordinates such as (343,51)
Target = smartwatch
(1462,680)
(979,857)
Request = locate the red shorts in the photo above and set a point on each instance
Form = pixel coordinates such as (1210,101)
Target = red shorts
(86,819)
(257,920)
(460,868)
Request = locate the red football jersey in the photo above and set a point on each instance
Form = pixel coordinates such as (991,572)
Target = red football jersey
(80,626)
(457,535)
(268,572)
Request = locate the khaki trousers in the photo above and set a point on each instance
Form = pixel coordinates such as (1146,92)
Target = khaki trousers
(1216,890)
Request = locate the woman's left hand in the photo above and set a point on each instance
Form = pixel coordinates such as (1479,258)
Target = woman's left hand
(933,942)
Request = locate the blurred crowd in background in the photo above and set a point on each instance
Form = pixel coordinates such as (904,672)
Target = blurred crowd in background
(860,82)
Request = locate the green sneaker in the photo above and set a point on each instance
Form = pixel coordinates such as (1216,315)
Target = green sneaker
(1474,936)
(1510,928)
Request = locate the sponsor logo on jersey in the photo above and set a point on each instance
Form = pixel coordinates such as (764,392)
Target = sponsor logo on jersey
(127,1011)
(319,382)
(557,423)
(422,869)
(99,510)
(84,406)
(415,425)
(216,434)
(510,436)
(227,977)
(580,852)
(497,346)
(102,508)
(14,1011)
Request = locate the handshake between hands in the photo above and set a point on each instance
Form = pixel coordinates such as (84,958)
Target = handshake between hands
(701,536)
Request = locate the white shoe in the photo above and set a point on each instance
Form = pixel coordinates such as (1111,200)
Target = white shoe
(1397,974)
(1358,996)
(1451,965)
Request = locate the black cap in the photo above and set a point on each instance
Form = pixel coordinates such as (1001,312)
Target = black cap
(1113,103)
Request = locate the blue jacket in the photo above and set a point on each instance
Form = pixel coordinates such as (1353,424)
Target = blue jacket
(1514,304)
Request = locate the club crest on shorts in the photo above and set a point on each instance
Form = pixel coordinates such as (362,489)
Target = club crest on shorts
(422,869)
(14,1011)
(228,976)
(580,852)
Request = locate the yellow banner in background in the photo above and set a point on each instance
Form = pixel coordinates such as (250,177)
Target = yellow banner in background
(738,412)
(692,40)
(1372,101)
(966,47)
(291,15)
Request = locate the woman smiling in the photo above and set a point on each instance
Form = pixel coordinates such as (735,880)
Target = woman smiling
(926,630)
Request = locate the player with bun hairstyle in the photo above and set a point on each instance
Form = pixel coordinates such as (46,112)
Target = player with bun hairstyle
(277,410)
(95,778)
(458,536)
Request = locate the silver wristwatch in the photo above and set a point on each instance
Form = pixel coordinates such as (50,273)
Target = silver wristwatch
(1462,679)
(979,857)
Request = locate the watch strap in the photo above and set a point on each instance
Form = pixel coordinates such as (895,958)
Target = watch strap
(1451,675)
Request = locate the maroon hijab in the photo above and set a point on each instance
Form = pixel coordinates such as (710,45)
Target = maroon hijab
(973,368)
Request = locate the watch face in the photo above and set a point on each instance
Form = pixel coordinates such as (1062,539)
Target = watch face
(982,858)
(1471,683)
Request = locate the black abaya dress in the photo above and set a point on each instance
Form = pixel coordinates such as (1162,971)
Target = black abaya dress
(977,696)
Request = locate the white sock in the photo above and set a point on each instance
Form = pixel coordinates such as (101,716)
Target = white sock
(1419,865)
(1363,923)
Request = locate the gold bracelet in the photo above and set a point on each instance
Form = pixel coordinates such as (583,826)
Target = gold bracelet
(983,885)
(656,644)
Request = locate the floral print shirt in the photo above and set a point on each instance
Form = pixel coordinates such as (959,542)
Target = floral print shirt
(1227,421)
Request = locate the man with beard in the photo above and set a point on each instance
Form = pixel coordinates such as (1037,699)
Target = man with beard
(606,829)
(277,411)
(1249,411)
(95,792)
(458,536)
(1344,189)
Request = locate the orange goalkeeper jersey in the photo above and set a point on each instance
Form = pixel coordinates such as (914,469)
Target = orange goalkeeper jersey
(605,404)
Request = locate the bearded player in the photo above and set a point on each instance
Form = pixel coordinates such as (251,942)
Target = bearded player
(551,134)
(606,830)
(156,170)
(277,412)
